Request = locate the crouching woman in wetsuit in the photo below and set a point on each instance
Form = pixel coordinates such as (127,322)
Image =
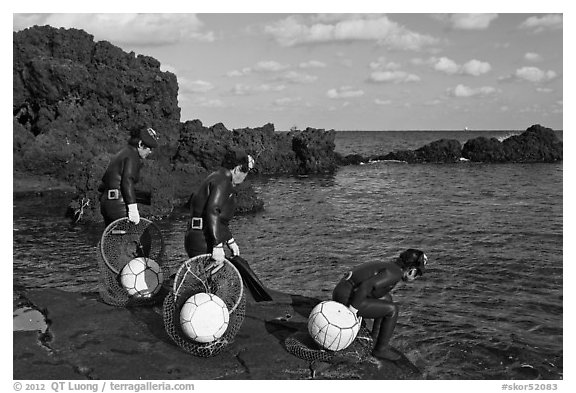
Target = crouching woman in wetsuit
(118,198)
(366,291)
(212,207)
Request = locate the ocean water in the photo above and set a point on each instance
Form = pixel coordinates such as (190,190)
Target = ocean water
(490,305)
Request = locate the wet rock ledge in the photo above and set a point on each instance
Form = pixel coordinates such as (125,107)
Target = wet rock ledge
(87,339)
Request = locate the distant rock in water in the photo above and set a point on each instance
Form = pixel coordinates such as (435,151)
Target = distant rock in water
(441,151)
(350,159)
(75,101)
(536,144)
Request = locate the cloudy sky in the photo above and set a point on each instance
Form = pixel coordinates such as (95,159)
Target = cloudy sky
(348,71)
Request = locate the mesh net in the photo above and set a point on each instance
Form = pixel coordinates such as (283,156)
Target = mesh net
(193,277)
(301,345)
(121,242)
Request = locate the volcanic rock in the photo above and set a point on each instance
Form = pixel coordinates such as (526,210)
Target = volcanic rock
(87,339)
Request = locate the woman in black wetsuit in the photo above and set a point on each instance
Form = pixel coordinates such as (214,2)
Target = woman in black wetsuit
(212,207)
(118,198)
(366,291)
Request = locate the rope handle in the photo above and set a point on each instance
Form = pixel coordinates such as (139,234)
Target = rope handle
(185,268)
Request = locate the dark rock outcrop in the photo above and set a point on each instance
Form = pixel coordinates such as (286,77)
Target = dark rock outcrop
(350,159)
(75,100)
(484,149)
(315,152)
(441,151)
(536,144)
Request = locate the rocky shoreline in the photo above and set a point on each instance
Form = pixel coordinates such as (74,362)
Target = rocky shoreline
(85,339)
(26,184)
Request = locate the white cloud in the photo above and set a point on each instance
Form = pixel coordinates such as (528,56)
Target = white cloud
(393,77)
(543,23)
(534,74)
(378,101)
(466,91)
(335,17)
(288,101)
(212,103)
(137,29)
(383,64)
(297,77)
(545,90)
(530,56)
(344,92)
(467,21)
(199,101)
(446,65)
(281,72)
(269,66)
(264,66)
(242,89)
(197,86)
(168,68)
(300,30)
(473,67)
(312,64)
(234,73)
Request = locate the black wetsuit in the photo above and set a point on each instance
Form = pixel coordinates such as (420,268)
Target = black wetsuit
(211,209)
(367,288)
(122,174)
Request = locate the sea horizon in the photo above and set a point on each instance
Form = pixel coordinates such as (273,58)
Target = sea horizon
(431,130)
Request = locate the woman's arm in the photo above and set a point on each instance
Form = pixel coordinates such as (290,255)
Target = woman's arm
(214,207)
(381,282)
(129,176)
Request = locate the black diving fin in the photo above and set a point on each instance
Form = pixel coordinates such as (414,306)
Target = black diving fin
(250,279)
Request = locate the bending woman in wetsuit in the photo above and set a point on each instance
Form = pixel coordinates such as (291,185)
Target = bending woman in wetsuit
(212,207)
(366,291)
(118,198)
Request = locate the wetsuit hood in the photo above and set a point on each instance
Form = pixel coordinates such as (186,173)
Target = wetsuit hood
(412,258)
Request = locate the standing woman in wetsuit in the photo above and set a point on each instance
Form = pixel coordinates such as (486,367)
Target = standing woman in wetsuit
(366,291)
(212,207)
(118,198)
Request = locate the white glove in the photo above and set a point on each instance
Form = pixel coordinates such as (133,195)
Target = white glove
(133,214)
(354,310)
(233,247)
(219,257)
(218,253)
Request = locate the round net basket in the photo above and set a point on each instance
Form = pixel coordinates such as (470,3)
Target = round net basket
(301,345)
(121,242)
(192,278)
